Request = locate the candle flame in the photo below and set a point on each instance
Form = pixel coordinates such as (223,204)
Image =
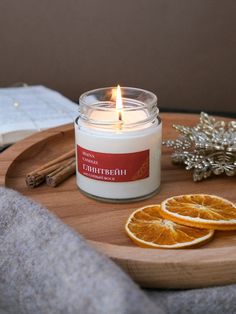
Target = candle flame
(119,104)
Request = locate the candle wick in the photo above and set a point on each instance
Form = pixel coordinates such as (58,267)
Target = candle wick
(119,124)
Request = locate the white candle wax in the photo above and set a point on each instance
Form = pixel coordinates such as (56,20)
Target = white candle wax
(127,117)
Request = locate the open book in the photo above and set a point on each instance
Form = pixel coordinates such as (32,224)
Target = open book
(26,110)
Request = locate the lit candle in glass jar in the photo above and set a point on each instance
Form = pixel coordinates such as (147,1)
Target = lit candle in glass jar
(118,144)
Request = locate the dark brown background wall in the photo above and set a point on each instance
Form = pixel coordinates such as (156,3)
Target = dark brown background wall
(184,50)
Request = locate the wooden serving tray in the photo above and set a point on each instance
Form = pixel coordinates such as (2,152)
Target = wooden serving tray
(102,224)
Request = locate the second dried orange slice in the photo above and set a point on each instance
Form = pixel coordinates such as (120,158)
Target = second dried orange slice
(147,228)
(201,211)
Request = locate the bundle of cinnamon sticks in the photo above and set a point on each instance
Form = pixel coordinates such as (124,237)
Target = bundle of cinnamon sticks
(53,172)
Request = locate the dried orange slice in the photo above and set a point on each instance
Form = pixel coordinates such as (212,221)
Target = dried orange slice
(200,211)
(147,228)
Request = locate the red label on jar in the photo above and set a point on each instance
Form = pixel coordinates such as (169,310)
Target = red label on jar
(113,167)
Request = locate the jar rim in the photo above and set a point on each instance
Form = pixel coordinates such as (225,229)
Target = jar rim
(82,96)
(103,100)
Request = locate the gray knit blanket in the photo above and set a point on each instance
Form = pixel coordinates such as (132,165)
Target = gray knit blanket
(47,268)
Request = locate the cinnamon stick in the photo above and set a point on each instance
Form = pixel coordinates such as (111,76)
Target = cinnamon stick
(34,180)
(38,176)
(55,161)
(61,174)
(49,169)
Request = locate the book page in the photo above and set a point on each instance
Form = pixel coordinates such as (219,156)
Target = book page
(33,108)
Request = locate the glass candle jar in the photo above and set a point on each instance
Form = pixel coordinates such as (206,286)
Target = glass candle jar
(118,144)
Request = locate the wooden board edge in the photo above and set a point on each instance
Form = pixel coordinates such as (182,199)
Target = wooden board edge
(18,148)
(209,255)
